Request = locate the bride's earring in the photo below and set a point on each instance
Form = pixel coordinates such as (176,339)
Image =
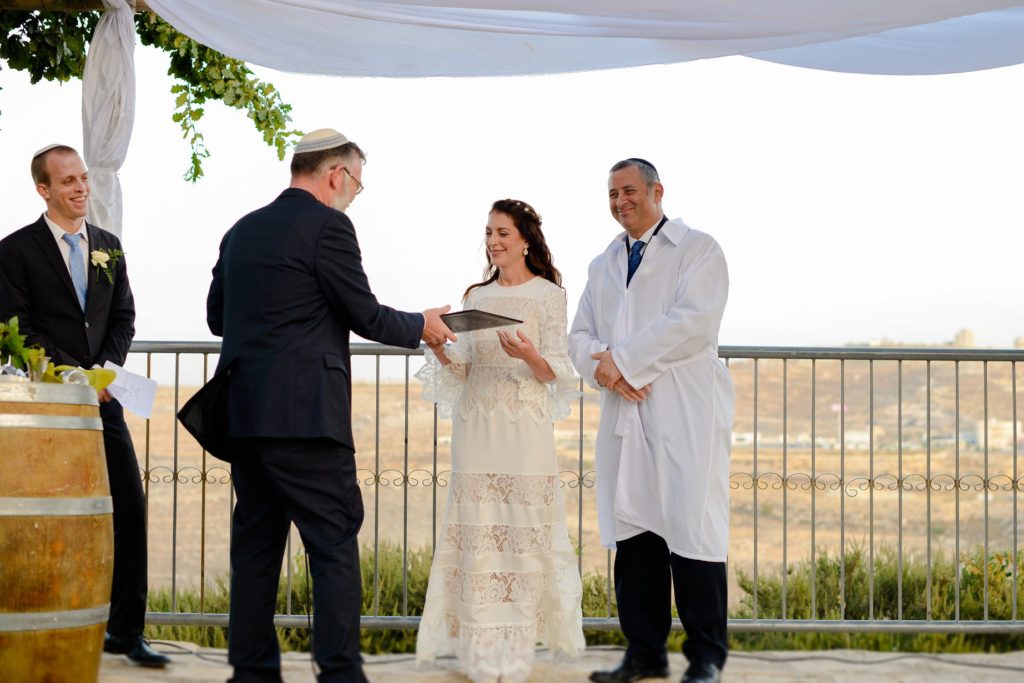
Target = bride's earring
(526,250)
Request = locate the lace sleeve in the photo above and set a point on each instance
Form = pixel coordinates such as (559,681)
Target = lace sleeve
(554,347)
(443,384)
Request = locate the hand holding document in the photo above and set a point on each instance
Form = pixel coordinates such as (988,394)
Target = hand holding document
(135,392)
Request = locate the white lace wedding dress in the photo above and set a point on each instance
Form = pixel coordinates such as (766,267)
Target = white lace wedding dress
(504,576)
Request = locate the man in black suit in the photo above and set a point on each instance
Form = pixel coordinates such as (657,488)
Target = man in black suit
(287,289)
(83,314)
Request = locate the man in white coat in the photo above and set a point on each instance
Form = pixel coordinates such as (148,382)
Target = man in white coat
(646,335)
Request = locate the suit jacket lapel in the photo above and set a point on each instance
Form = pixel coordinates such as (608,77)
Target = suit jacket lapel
(51,251)
(92,281)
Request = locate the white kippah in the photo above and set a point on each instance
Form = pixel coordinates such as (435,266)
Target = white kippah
(319,140)
(44,150)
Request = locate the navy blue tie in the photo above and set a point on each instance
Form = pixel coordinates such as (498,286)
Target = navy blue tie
(77,266)
(636,252)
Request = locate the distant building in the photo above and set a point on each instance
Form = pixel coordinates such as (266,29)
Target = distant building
(826,442)
(964,339)
(742,438)
(857,439)
(1000,433)
(1018,343)
(968,435)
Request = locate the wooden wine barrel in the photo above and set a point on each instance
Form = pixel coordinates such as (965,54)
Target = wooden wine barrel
(56,533)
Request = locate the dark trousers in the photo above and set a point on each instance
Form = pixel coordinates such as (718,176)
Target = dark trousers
(645,573)
(128,593)
(311,482)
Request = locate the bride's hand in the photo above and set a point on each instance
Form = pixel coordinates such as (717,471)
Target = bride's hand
(517,345)
(438,350)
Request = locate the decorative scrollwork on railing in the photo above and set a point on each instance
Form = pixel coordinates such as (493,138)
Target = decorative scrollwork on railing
(424,478)
(741,480)
(775,481)
(770,480)
(223,478)
(162,474)
(886,482)
(575,480)
(913,482)
(972,482)
(154,478)
(855,486)
(1002,482)
(828,481)
(398,479)
(943,482)
(798,480)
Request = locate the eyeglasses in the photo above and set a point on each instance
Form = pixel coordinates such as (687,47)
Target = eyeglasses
(359,185)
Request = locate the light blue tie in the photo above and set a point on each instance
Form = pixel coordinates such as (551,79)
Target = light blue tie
(77,268)
(636,252)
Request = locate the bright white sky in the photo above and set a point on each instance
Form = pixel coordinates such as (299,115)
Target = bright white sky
(850,208)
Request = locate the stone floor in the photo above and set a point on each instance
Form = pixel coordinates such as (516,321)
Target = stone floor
(195,665)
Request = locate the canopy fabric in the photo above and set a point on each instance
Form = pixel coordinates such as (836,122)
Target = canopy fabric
(972,43)
(108,110)
(410,38)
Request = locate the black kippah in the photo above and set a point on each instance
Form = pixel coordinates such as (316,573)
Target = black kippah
(643,162)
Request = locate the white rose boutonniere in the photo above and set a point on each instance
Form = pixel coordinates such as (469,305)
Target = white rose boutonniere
(104,261)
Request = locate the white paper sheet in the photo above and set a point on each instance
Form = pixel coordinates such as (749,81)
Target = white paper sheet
(135,392)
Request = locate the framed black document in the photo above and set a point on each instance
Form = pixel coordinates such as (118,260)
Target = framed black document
(472,319)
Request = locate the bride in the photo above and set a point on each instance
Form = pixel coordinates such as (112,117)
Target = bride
(504,576)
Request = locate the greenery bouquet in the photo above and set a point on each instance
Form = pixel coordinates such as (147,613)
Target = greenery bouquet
(13,351)
(32,361)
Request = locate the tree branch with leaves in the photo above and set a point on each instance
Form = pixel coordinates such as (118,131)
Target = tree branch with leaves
(53,46)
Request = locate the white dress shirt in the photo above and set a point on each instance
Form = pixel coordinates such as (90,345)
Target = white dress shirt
(645,238)
(65,249)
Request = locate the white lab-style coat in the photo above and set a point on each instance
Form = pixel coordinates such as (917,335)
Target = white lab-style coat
(662,463)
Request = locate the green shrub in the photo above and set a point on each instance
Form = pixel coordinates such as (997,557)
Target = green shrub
(595,604)
(391,601)
(214,600)
(391,594)
(855,594)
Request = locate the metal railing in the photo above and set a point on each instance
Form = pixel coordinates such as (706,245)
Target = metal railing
(839,454)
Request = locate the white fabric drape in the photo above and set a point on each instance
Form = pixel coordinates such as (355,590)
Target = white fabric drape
(405,38)
(108,110)
(972,43)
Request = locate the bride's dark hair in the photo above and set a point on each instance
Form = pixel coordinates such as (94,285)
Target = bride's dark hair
(527,222)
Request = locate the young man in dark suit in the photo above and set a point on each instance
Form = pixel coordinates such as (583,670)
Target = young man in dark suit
(287,289)
(79,307)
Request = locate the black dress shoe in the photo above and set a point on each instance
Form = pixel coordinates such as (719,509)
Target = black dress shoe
(136,649)
(629,671)
(702,673)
